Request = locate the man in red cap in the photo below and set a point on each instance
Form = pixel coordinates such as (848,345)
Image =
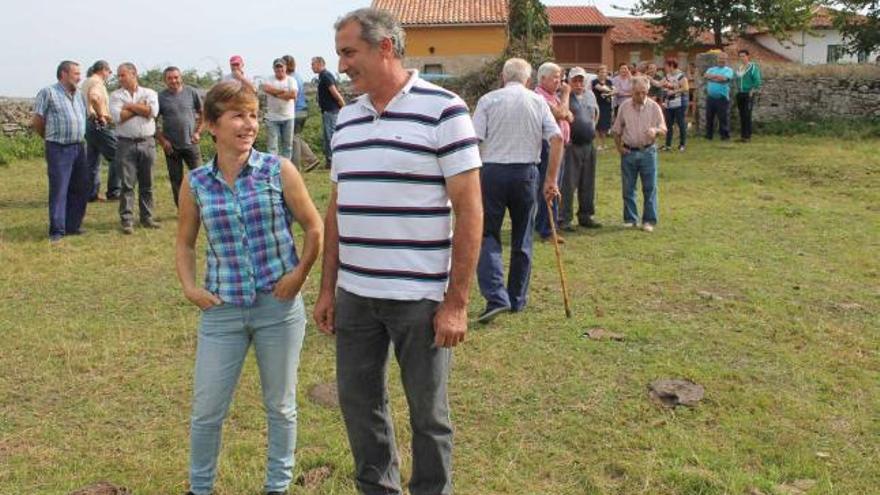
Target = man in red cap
(236,71)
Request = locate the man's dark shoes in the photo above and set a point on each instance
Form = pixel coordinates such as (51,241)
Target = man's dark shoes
(150,224)
(127,229)
(491,312)
(568,228)
(590,224)
(81,231)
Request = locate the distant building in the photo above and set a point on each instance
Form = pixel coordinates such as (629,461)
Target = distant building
(450,36)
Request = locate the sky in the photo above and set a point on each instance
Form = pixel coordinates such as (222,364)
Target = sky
(37,34)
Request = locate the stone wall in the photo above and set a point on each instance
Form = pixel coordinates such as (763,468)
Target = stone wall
(15,115)
(799,92)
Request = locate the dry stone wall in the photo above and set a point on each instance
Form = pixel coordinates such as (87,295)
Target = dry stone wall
(798,92)
(15,115)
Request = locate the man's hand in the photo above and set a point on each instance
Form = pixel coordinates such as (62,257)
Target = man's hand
(166,146)
(289,285)
(450,325)
(196,137)
(622,150)
(268,89)
(325,312)
(202,298)
(565,87)
(551,190)
(652,132)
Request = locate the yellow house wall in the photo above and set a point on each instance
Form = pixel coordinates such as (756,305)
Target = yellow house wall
(455,40)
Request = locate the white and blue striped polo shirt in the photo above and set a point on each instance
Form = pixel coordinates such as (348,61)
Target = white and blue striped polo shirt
(394,216)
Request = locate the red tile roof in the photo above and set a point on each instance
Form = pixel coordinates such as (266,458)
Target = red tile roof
(576,16)
(443,12)
(632,30)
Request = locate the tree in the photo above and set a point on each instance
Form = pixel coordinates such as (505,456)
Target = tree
(681,21)
(859,22)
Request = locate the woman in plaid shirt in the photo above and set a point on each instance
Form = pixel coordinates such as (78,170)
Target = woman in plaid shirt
(247,201)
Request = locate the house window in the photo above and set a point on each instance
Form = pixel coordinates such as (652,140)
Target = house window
(433,69)
(835,53)
(635,57)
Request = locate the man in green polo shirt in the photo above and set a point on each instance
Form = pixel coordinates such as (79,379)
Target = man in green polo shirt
(748,80)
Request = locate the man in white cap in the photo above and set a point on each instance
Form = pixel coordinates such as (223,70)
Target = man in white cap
(580,155)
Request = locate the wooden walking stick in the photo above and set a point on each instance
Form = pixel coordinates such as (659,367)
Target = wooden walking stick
(558,259)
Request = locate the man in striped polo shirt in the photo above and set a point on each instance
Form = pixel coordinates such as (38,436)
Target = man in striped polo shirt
(404,157)
(60,118)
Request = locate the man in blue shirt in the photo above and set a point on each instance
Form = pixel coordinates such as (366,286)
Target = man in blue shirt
(330,100)
(718,98)
(60,118)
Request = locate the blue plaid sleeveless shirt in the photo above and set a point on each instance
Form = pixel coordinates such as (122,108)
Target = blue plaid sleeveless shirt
(250,245)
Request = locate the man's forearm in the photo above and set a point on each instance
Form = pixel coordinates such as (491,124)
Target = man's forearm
(555,159)
(466,241)
(330,263)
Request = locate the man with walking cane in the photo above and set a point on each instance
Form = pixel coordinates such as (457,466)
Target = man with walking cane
(511,123)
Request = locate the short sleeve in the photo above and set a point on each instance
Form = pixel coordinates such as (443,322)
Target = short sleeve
(457,141)
(481,119)
(153,100)
(549,127)
(41,103)
(292,85)
(116,107)
(197,101)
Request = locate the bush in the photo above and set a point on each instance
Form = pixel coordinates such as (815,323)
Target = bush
(20,147)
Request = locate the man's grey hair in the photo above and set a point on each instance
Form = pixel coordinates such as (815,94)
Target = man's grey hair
(376,25)
(127,66)
(516,70)
(64,66)
(641,82)
(548,68)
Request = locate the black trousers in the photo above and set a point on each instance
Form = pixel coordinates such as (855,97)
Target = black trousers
(191,155)
(718,108)
(744,103)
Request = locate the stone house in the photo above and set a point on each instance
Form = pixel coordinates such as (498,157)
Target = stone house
(450,36)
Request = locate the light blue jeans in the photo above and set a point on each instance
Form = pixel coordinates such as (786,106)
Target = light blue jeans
(639,165)
(280,130)
(276,329)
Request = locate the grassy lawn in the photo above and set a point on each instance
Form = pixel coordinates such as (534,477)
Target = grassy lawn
(762,283)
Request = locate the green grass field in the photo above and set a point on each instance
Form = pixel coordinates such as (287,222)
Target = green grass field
(762,283)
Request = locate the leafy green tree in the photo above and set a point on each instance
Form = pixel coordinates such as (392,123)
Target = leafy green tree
(859,22)
(682,20)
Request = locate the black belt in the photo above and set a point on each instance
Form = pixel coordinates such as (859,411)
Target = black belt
(135,140)
(636,148)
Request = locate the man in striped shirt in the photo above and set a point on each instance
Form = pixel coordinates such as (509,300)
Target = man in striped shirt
(60,118)
(404,157)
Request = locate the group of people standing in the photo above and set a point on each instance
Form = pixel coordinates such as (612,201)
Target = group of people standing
(82,124)
(396,270)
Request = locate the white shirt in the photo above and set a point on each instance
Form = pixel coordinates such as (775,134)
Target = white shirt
(137,126)
(512,122)
(278,109)
(393,210)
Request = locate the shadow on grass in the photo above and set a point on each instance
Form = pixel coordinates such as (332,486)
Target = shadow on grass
(37,232)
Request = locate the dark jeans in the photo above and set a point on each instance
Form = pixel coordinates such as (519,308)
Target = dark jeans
(69,187)
(677,116)
(191,155)
(102,142)
(509,187)
(580,176)
(135,158)
(542,218)
(718,108)
(364,329)
(328,125)
(744,103)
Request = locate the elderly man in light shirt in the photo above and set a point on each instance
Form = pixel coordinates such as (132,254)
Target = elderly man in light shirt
(511,123)
(134,110)
(639,122)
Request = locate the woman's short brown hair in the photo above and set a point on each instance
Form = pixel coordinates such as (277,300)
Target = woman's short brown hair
(229,95)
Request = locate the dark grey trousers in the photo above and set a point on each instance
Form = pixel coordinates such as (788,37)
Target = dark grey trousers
(580,176)
(191,155)
(135,158)
(365,328)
